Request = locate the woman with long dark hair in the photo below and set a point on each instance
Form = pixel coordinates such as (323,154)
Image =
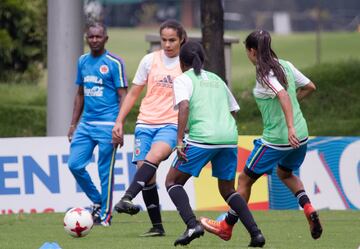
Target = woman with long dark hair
(156,126)
(206,106)
(278,90)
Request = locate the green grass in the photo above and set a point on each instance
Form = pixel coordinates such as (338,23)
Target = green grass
(282,229)
(22,110)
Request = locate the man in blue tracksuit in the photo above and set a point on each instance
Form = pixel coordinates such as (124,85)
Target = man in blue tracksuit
(102,87)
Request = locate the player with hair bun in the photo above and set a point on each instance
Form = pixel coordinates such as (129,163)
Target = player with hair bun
(203,99)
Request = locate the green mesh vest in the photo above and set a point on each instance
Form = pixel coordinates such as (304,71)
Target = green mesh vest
(275,128)
(210,120)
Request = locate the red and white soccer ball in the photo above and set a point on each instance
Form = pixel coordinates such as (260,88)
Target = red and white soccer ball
(78,222)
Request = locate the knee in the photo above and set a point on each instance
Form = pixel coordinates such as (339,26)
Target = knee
(225,193)
(74,166)
(169,182)
(283,174)
(244,181)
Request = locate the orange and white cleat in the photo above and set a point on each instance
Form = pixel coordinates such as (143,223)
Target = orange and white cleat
(219,228)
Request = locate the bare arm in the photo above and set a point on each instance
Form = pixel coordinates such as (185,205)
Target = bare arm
(127,103)
(286,106)
(303,92)
(77,110)
(183,116)
(121,94)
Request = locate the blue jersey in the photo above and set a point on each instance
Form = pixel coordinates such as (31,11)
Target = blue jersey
(101,77)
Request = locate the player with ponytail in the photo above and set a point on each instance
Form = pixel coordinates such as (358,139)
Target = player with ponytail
(203,99)
(279,88)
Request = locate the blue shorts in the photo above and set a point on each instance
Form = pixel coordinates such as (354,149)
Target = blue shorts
(145,137)
(264,158)
(223,161)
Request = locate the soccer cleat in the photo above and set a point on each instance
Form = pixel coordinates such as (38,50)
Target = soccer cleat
(154,232)
(189,235)
(314,221)
(219,228)
(257,240)
(98,222)
(95,211)
(105,223)
(126,206)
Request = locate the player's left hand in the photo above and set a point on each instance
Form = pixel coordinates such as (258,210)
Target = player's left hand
(118,135)
(293,140)
(180,150)
(71,132)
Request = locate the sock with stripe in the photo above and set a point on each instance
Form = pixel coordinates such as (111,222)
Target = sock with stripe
(151,200)
(239,205)
(181,200)
(142,176)
(302,198)
(231,217)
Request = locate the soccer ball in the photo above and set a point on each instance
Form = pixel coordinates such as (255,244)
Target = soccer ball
(78,222)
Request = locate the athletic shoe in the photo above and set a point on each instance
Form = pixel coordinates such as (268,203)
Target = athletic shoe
(126,206)
(314,221)
(257,241)
(98,222)
(105,223)
(219,228)
(189,235)
(154,232)
(95,211)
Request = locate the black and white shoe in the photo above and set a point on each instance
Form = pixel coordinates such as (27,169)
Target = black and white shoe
(189,235)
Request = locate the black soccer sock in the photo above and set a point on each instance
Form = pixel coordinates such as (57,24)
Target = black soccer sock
(151,199)
(231,217)
(142,176)
(302,198)
(239,205)
(181,200)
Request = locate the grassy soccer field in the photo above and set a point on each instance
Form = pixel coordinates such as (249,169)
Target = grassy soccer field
(283,230)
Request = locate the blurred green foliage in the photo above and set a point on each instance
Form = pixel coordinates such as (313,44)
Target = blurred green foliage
(332,110)
(22,39)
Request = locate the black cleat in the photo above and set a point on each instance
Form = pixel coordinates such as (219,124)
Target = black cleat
(257,241)
(315,225)
(154,232)
(189,235)
(126,206)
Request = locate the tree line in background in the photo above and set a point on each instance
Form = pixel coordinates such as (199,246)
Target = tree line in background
(22,39)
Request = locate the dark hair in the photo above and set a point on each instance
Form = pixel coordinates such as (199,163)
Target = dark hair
(175,25)
(267,60)
(96,25)
(192,55)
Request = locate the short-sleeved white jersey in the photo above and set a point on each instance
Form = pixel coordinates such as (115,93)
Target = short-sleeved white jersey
(183,89)
(270,89)
(145,64)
